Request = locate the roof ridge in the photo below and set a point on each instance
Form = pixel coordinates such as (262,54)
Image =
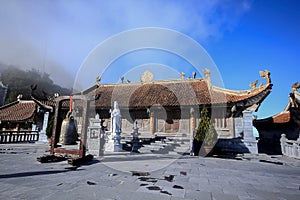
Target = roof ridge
(242,92)
(9,104)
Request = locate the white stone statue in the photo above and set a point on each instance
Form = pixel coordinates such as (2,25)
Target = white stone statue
(116,119)
(114,139)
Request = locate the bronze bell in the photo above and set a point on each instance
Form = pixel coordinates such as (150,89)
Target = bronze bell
(68,133)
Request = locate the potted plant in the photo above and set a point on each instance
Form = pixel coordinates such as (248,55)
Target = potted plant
(205,135)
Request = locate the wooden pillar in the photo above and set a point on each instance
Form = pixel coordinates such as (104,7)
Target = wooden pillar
(152,122)
(192,120)
(85,108)
(55,128)
(192,127)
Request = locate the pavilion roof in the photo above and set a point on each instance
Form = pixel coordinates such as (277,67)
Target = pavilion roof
(18,111)
(290,113)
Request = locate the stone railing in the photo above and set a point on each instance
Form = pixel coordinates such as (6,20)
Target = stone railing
(18,136)
(290,148)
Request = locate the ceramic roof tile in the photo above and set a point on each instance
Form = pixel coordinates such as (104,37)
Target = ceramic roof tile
(169,93)
(282,117)
(18,111)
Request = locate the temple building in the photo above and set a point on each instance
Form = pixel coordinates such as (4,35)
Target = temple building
(23,115)
(171,107)
(286,122)
(159,108)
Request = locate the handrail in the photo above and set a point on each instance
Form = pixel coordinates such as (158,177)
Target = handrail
(290,148)
(18,136)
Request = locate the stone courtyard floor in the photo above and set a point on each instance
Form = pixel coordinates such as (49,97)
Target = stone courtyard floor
(161,176)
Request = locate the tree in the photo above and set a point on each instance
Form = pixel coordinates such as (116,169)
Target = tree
(21,82)
(206,134)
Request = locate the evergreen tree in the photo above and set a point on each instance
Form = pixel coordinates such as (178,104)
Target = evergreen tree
(206,133)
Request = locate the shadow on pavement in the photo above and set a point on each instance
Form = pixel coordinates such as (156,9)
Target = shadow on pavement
(36,173)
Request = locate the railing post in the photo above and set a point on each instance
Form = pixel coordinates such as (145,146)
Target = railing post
(295,150)
(10,137)
(18,136)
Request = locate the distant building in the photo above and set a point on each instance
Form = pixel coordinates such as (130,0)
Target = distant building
(286,122)
(3,92)
(23,115)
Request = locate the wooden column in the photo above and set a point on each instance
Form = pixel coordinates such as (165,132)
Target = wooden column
(192,120)
(192,127)
(152,122)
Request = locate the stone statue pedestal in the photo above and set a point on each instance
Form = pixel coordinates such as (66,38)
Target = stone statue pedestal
(42,137)
(113,143)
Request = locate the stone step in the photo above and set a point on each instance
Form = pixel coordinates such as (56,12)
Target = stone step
(159,144)
(151,147)
(172,146)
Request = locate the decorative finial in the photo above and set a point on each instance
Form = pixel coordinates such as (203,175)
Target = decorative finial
(206,73)
(266,75)
(194,75)
(122,79)
(295,86)
(182,75)
(253,84)
(147,77)
(19,97)
(98,79)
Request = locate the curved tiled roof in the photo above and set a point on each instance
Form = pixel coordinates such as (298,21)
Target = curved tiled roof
(172,93)
(18,111)
(283,117)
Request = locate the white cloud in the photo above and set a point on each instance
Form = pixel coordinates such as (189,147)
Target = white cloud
(68,30)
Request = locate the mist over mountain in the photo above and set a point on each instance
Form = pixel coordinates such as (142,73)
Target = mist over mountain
(29,82)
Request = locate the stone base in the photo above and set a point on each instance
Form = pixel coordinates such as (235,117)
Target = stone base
(42,138)
(236,146)
(95,147)
(110,146)
(251,145)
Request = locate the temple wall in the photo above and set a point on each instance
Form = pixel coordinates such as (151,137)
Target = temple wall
(174,122)
(224,127)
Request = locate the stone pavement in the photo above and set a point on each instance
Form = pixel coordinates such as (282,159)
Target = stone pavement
(168,177)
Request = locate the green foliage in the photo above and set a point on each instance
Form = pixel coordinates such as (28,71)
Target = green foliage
(20,82)
(206,133)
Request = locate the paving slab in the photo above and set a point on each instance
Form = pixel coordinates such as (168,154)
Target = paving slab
(110,177)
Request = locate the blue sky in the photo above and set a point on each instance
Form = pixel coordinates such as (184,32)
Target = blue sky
(241,36)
